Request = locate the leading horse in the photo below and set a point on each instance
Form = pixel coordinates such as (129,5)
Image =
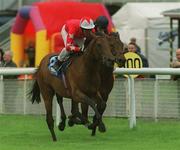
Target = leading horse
(106,73)
(107,80)
(82,77)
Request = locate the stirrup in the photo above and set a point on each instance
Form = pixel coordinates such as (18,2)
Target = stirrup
(57,65)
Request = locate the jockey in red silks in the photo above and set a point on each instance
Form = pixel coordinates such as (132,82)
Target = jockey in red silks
(74,33)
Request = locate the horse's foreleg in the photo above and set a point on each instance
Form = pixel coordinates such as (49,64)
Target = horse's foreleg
(84,108)
(76,117)
(101,108)
(81,97)
(72,118)
(62,124)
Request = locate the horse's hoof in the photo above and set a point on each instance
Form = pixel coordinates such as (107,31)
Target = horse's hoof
(93,133)
(77,121)
(101,127)
(70,123)
(61,126)
(54,139)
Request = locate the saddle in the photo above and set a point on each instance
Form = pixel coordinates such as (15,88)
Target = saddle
(62,69)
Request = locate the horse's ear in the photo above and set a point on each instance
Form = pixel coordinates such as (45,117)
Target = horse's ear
(115,34)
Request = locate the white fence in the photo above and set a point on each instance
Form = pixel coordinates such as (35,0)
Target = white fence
(144,71)
(142,98)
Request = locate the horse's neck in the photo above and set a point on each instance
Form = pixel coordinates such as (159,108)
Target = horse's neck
(89,61)
(106,71)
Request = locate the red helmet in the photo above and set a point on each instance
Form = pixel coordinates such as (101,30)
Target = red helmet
(86,23)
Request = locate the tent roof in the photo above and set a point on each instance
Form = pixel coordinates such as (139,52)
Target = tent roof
(173,13)
(139,15)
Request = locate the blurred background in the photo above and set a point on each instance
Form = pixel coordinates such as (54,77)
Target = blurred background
(146,20)
(142,19)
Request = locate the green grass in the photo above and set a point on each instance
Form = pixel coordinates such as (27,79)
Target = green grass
(31,133)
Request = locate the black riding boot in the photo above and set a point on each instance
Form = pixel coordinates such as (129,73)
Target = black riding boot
(57,65)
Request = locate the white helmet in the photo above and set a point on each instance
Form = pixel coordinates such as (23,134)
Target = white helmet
(86,23)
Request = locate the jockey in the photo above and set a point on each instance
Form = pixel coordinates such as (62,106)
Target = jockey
(74,33)
(101,24)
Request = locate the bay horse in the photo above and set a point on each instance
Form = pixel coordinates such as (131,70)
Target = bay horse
(82,77)
(107,81)
(107,77)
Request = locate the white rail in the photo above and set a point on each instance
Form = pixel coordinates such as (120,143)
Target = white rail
(157,71)
(17,71)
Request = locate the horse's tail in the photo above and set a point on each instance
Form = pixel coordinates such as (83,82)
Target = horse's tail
(35,93)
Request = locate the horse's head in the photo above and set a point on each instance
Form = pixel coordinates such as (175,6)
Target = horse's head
(102,50)
(117,48)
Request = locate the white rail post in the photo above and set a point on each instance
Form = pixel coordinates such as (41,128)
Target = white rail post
(155,99)
(132,121)
(1,93)
(25,90)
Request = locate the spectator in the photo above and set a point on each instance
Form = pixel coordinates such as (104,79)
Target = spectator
(8,62)
(132,48)
(133,40)
(1,58)
(176,64)
(30,51)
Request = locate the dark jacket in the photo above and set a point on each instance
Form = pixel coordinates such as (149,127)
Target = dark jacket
(144,60)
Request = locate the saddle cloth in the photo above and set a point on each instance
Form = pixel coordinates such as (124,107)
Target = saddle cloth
(62,68)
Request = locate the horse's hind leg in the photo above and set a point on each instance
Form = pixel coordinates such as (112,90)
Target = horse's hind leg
(62,124)
(47,95)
